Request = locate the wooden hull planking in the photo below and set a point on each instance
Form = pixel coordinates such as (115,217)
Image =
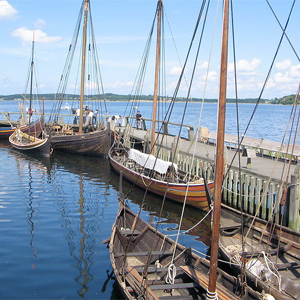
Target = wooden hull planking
(31,145)
(195,196)
(94,143)
(35,129)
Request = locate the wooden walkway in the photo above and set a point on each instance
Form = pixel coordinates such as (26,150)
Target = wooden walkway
(261,146)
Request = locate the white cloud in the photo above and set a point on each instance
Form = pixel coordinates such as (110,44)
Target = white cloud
(211,76)
(7,12)
(119,84)
(246,67)
(295,72)
(282,77)
(39,23)
(204,66)
(284,65)
(291,75)
(26,35)
(175,71)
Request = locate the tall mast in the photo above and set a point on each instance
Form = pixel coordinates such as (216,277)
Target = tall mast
(31,80)
(219,155)
(158,45)
(86,6)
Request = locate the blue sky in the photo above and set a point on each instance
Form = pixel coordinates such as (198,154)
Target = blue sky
(122,28)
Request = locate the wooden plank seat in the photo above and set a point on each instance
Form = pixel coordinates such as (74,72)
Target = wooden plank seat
(151,269)
(178,297)
(153,253)
(281,250)
(230,230)
(202,280)
(127,232)
(177,286)
(145,253)
(287,265)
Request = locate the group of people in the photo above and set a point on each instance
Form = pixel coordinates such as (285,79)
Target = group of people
(89,116)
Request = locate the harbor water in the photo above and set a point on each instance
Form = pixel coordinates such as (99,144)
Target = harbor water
(54,216)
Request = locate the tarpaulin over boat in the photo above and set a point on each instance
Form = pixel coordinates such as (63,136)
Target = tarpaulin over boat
(150,162)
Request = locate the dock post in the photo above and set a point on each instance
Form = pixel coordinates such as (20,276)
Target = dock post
(165,128)
(293,203)
(248,162)
(175,147)
(191,133)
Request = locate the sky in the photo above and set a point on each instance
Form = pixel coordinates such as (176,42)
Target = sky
(122,28)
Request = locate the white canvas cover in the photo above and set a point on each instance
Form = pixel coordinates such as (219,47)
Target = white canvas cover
(150,162)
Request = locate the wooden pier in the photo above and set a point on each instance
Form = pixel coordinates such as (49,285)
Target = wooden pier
(254,181)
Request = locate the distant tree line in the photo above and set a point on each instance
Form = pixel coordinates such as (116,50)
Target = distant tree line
(115,97)
(287,100)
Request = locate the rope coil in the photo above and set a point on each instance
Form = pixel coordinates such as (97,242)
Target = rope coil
(211,296)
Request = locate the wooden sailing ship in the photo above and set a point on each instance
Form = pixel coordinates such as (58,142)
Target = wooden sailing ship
(34,141)
(89,136)
(148,171)
(159,177)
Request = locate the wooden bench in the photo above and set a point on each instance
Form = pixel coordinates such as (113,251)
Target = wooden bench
(145,253)
(177,286)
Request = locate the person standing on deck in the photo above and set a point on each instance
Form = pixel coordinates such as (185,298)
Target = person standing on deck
(95,116)
(77,115)
(89,118)
(138,119)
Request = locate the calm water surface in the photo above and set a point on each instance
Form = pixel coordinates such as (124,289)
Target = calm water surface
(54,215)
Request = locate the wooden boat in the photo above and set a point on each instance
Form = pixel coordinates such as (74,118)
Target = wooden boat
(161,177)
(8,128)
(144,260)
(148,171)
(90,136)
(36,143)
(269,252)
(30,144)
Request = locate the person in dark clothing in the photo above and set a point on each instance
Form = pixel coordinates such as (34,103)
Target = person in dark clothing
(138,119)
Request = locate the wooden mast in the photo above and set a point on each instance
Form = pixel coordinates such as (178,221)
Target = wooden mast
(86,6)
(156,82)
(31,82)
(219,156)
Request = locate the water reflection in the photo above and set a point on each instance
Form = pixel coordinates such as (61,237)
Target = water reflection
(82,221)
